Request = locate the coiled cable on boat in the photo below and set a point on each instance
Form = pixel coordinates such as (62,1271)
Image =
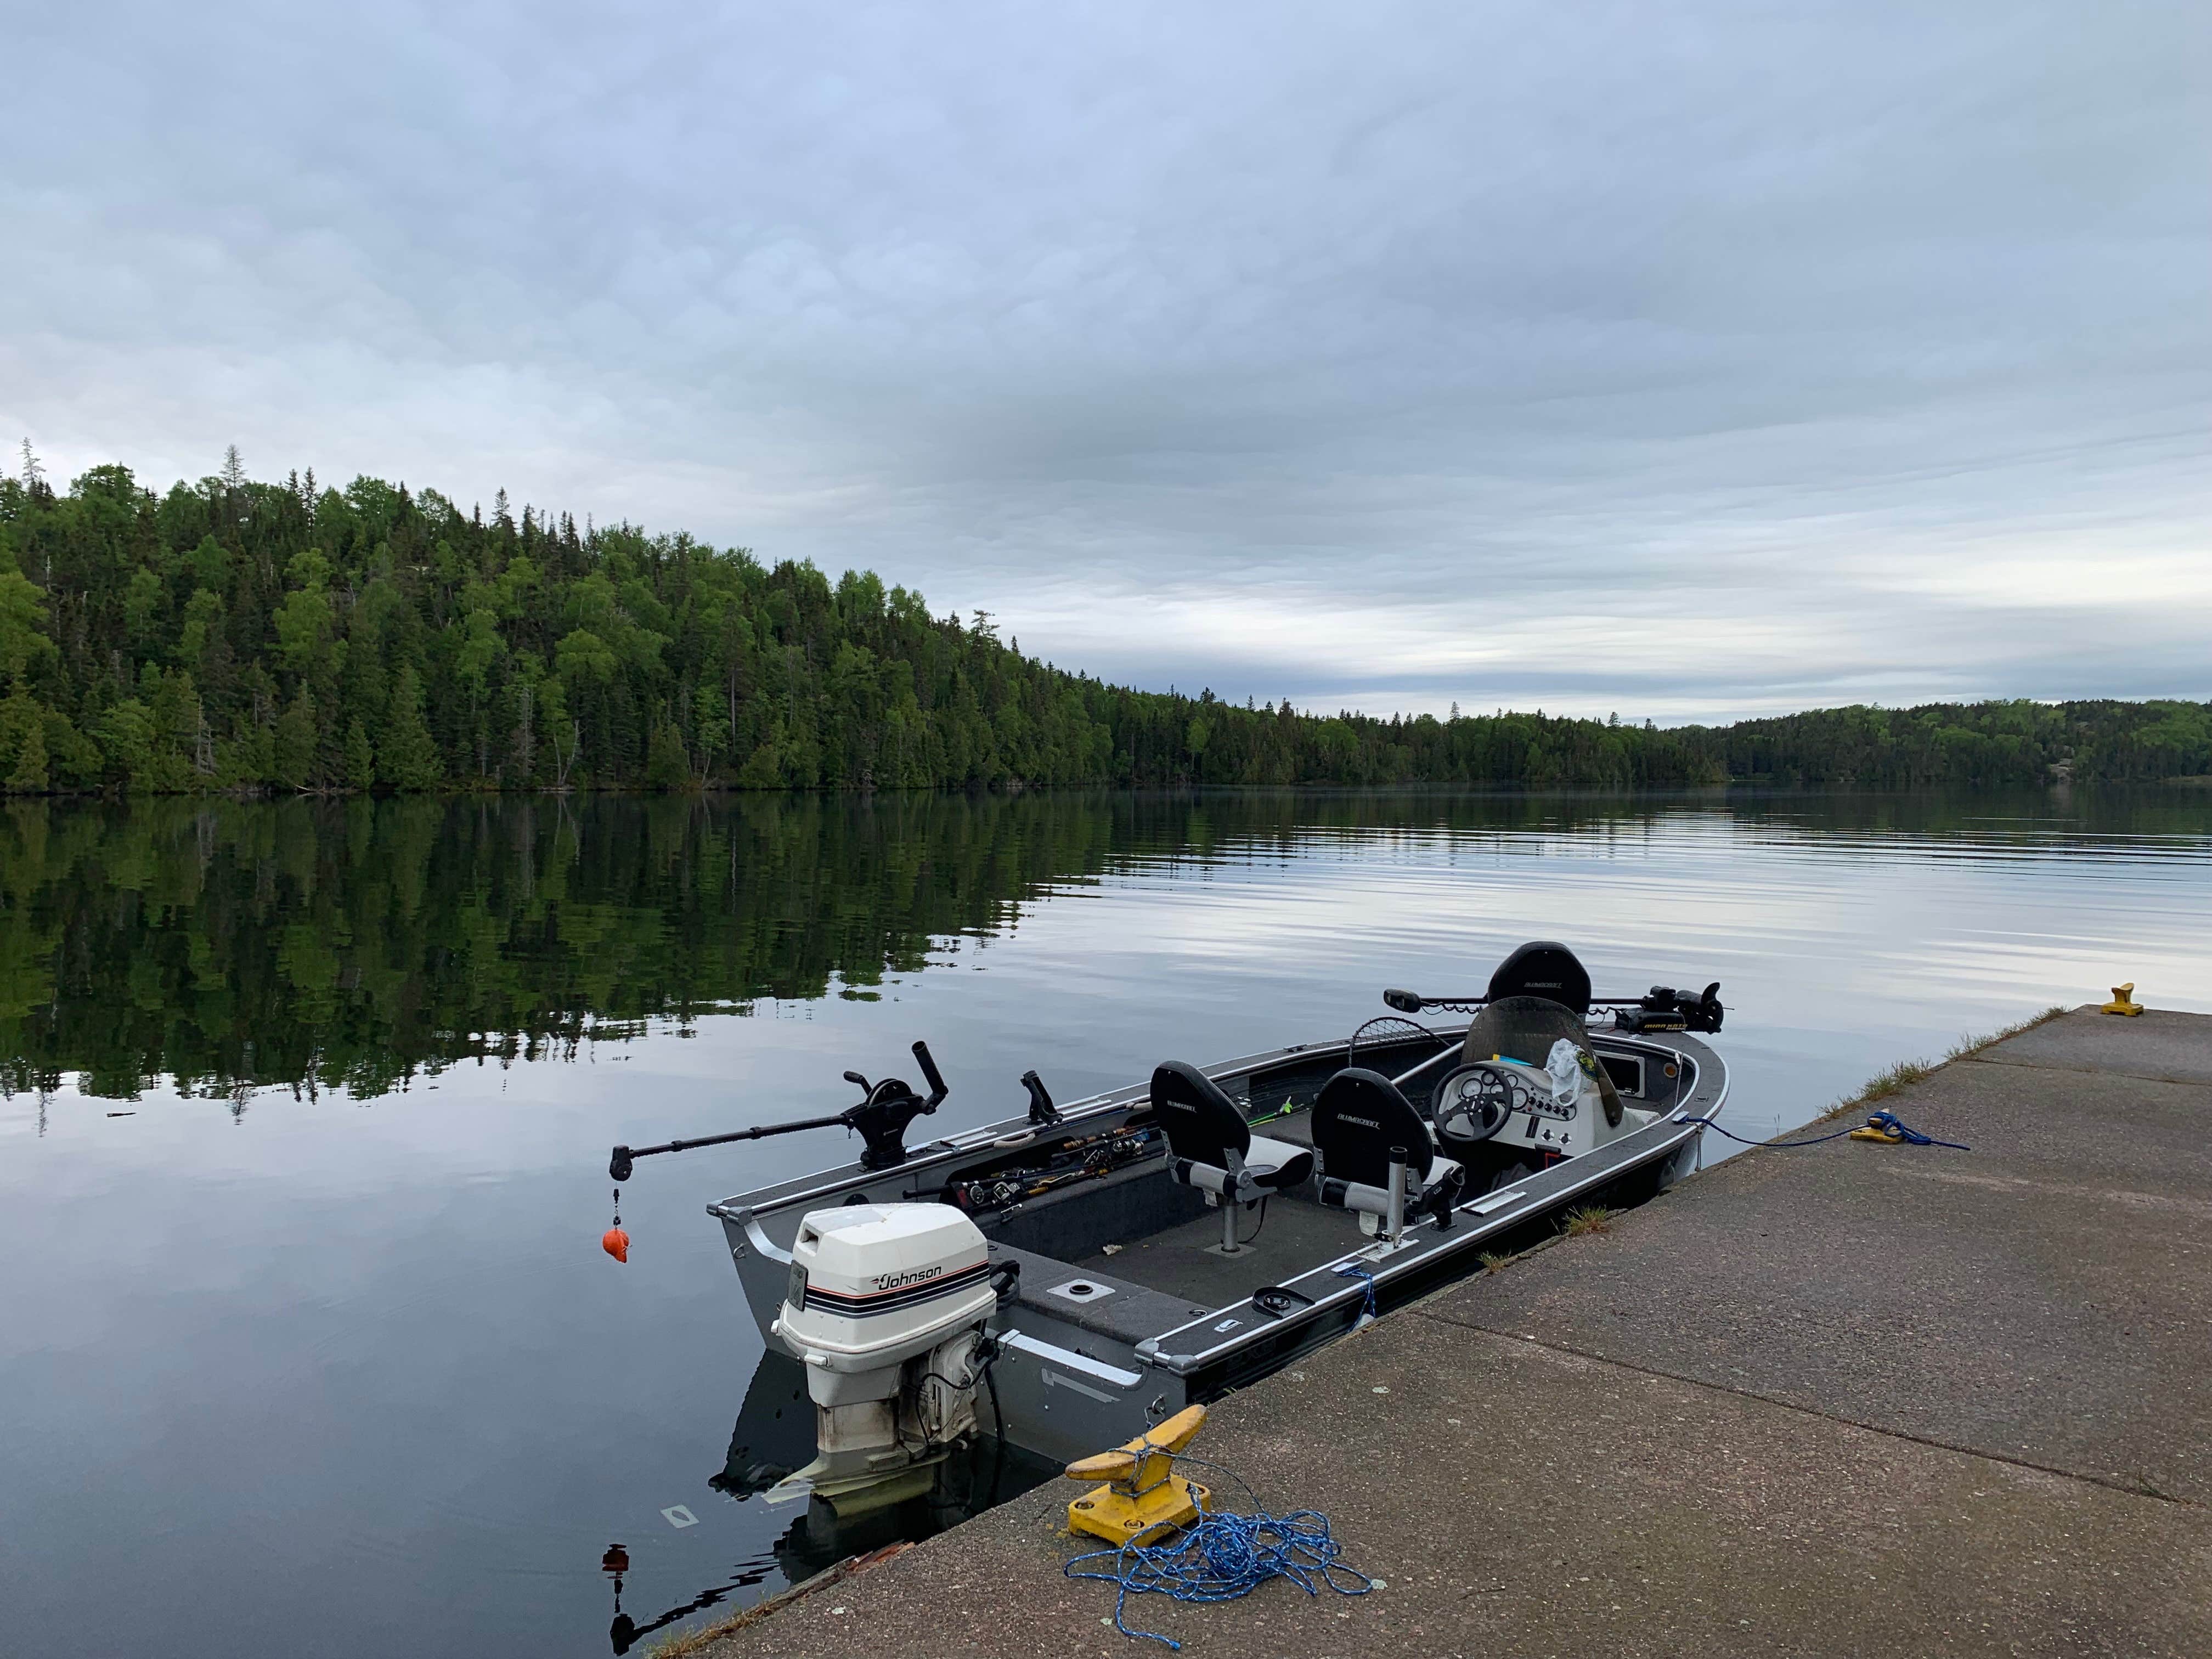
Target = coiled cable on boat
(1223,1557)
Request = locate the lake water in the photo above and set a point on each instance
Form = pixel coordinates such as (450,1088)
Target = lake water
(307,1343)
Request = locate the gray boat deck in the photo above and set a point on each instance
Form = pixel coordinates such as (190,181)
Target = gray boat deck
(1856,1400)
(1296,1234)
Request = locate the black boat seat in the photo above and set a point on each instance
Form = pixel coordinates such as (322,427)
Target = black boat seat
(1544,967)
(1358,1122)
(1212,1147)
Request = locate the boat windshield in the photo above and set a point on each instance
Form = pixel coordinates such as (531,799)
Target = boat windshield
(1522,1028)
(1525,1027)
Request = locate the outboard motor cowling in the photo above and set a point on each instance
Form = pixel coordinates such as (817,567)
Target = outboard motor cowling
(887,1307)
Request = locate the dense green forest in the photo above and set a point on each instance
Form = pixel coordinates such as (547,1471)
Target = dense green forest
(251,637)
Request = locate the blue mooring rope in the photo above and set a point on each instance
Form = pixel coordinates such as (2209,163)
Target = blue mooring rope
(1354,1270)
(1222,1557)
(1888,1121)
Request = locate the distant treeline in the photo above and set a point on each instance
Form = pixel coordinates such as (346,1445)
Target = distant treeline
(235,635)
(1982,743)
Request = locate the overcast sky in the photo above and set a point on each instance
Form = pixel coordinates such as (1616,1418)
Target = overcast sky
(1688,361)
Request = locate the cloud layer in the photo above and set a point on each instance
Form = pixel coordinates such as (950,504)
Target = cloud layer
(1685,363)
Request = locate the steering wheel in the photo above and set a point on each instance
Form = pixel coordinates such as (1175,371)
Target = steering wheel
(1473,1103)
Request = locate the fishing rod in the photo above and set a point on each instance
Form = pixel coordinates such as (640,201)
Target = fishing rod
(880,1119)
(1046,1169)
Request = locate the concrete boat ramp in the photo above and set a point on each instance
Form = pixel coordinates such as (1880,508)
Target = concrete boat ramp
(1850,1401)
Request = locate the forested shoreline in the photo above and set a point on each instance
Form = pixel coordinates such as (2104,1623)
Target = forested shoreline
(234,636)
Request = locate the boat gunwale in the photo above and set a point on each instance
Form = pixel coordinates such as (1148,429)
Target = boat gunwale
(930,1153)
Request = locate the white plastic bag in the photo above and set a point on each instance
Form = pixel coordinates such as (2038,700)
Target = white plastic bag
(1564,1063)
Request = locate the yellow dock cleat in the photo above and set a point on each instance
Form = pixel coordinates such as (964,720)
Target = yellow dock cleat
(1143,1493)
(2123,1000)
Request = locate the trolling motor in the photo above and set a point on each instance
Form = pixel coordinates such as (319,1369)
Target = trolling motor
(880,1119)
(1661,1008)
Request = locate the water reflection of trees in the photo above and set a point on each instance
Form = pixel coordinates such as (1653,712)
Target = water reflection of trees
(348,944)
(231,946)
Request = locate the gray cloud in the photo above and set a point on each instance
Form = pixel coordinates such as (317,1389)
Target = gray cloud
(1688,363)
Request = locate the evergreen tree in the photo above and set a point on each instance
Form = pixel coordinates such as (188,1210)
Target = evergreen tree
(665,766)
(408,757)
(360,758)
(295,743)
(27,776)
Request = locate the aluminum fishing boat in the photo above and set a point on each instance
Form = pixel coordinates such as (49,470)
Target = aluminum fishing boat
(1097,1266)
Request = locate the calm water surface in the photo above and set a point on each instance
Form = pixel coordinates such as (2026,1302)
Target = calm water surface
(308,1344)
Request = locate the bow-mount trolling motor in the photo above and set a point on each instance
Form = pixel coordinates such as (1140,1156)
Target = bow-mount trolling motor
(888,1307)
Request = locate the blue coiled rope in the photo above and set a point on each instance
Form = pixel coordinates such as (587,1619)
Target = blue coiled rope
(1888,1121)
(1222,1557)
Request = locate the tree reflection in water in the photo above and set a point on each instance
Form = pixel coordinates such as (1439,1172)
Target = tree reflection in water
(234,946)
(323,944)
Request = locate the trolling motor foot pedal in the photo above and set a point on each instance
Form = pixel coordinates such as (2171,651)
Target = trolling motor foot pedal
(1142,1494)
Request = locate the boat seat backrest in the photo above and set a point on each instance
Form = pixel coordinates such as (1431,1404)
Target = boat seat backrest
(1201,1123)
(1544,967)
(1358,1117)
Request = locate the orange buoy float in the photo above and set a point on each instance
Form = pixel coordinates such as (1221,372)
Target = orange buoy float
(614,1242)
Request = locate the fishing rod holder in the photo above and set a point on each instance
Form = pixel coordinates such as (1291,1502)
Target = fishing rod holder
(1042,1112)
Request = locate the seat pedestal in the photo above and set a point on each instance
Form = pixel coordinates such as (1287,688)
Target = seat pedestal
(1229,1246)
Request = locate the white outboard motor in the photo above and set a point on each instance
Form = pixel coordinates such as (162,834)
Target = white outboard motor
(887,1308)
